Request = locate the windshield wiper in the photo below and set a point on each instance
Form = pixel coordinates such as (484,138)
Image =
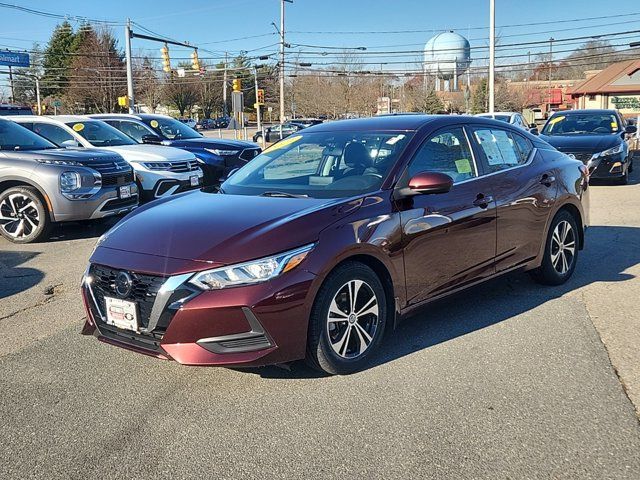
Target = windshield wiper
(274,193)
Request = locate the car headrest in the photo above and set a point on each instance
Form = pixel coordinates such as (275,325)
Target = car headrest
(356,155)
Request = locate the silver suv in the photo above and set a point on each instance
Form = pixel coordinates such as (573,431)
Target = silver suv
(41,184)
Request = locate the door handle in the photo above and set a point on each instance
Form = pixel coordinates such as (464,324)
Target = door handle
(483,201)
(547,180)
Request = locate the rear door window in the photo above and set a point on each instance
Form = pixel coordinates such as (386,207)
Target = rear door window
(499,149)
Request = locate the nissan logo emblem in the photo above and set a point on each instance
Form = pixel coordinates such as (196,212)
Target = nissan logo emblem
(571,155)
(123,284)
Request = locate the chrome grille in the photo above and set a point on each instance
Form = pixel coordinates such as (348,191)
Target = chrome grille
(584,157)
(109,166)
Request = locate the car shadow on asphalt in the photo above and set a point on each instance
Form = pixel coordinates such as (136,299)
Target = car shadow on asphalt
(81,230)
(14,278)
(608,253)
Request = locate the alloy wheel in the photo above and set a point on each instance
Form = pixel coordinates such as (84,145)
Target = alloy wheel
(19,215)
(563,247)
(353,319)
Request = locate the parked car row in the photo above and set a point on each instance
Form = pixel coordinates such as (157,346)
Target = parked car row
(101,165)
(276,133)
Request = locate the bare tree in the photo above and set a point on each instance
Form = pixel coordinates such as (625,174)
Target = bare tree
(181,93)
(97,76)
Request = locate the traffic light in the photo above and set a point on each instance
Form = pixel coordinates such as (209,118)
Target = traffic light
(236,85)
(260,96)
(195,61)
(166,61)
(123,101)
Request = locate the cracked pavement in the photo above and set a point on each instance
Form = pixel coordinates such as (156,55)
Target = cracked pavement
(506,380)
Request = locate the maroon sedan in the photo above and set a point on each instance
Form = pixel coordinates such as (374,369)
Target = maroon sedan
(326,240)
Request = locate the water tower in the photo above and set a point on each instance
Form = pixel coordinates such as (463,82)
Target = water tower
(447,56)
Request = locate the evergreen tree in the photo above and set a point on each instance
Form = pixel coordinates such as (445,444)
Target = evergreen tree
(24,84)
(57,60)
(480,97)
(432,103)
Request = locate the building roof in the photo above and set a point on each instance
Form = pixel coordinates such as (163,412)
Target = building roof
(607,80)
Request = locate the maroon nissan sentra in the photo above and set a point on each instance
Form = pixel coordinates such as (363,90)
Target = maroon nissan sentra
(321,244)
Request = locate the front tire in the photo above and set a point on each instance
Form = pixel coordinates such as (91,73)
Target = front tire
(347,321)
(561,251)
(23,217)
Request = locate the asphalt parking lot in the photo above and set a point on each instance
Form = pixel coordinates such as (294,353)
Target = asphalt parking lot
(508,380)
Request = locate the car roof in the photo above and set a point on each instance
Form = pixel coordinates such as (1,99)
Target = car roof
(587,110)
(49,118)
(385,122)
(487,114)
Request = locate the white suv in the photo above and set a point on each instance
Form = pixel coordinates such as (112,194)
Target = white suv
(160,171)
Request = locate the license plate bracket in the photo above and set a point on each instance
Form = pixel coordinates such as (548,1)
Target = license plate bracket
(121,313)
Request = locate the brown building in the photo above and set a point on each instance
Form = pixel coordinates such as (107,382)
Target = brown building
(617,86)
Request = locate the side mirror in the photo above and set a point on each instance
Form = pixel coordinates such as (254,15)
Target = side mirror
(426,183)
(534,131)
(533,125)
(151,139)
(631,129)
(70,144)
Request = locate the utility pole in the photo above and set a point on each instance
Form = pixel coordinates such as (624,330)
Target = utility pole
(224,87)
(550,65)
(38,94)
(492,54)
(13,97)
(255,81)
(282,59)
(127,47)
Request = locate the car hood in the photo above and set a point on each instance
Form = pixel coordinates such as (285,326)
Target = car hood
(210,143)
(592,143)
(151,153)
(82,155)
(224,229)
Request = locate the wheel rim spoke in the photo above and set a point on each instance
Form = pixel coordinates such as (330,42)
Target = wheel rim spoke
(339,315)
(352,319)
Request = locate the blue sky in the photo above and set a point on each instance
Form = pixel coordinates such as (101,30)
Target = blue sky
(211,24)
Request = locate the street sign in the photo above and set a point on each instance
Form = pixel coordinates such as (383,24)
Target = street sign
(14,59)
(237,102)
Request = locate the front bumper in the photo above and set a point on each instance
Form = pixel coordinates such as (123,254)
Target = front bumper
(106,202)
(244,326)
(607,167)
(159,184)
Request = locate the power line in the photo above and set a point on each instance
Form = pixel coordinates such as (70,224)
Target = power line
(516,25)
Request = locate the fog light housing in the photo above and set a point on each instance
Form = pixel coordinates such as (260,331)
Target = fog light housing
(616,167)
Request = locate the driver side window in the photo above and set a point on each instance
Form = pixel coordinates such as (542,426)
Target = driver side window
(448,152)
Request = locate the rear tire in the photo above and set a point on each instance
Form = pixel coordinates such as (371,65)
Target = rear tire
(346,329)
(23,216)
(561,251)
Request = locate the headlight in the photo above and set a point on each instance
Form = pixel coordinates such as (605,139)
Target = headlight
(221,153)
(157,165)
(612,151)
(256,271)
(69,181)
(46,161)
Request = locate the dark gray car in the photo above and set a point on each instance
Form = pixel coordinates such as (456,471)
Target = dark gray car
(41,184)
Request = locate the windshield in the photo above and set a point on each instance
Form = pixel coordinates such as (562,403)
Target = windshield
(99,134)
(16,137)
(321,165)
(582,123)
(171,129)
